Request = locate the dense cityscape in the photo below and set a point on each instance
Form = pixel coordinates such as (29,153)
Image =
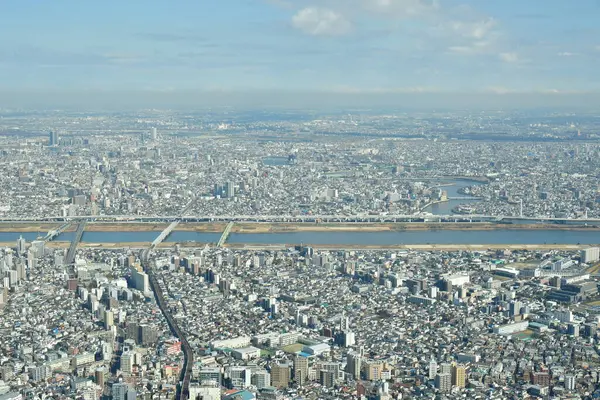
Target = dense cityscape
(153,316)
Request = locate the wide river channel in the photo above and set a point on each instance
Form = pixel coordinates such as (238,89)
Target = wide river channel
(385,238)
(388,238)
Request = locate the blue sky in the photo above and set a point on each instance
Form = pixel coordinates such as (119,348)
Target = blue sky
(339,46)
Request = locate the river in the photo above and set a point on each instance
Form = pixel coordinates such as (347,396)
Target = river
(475,237)
(446,207)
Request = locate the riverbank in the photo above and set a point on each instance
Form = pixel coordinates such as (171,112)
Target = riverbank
(154,227)
(39,227)
(415,247)
(269,227)
(282,227)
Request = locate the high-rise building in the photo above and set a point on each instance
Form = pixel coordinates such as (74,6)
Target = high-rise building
(373,371)
(353,365)
(21,246)
(446,368)
(229,190)
(140,281)
(459,375)
(443,382)
(53,138)
(147,335)
(240,376)
(109,319)
(590,329)
(261,379)
(280,375)
(433,367)
(128,360)
(590,255)
(570,382)
(515,308)
(327,378)
(573,329)
(119,391)
(154,134)
(99,376)
(300,370)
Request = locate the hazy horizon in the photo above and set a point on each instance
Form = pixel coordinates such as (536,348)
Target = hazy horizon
(310,53)
(189,100)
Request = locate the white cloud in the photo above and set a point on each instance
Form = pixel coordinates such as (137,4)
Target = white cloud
(401,8)
(500,90)
(567,54)
(475,30)
(382,90)
(477,47)
(321,22)
(509,57)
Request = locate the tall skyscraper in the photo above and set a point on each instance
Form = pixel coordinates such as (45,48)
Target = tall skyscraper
(154,134)
(229,190)
(53,138)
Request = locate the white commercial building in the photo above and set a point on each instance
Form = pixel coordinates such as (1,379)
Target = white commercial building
(457,279)
(246,353)
(511,328)
(590,254)
(234,343)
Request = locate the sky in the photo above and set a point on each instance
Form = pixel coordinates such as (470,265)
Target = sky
(369,49)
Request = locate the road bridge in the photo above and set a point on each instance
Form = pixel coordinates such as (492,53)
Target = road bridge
(56,232)
(225,234)
(76,239)
(164,234)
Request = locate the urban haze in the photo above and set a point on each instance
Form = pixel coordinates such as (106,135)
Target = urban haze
(288,200)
